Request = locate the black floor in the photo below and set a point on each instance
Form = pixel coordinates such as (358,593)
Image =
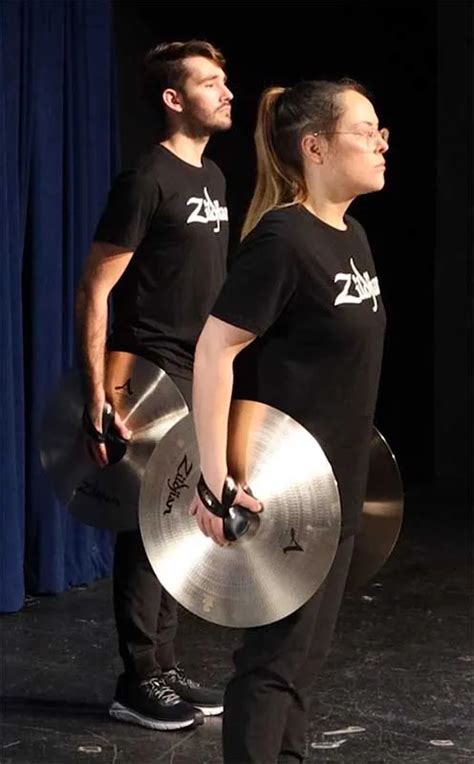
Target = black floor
(400,674)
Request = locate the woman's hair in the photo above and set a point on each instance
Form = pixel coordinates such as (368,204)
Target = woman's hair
(164,67)
(284,116)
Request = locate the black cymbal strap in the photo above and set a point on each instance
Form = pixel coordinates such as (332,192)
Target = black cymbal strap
(90,429)
(218,508)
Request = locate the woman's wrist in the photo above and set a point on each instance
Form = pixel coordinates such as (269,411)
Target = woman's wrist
(214,479)
(218,505)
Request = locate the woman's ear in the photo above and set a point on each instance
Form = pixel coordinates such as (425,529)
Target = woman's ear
(311,147)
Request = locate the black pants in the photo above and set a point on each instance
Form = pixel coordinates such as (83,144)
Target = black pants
(145,614)
(266,701)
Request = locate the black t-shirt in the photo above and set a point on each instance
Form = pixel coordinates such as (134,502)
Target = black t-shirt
(174,217)
(310,293)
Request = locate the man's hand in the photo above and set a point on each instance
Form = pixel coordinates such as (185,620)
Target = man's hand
(213,526)
(97,451)
(104,266)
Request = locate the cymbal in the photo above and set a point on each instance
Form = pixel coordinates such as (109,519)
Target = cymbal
(285,555)
(147,401)
(382,514)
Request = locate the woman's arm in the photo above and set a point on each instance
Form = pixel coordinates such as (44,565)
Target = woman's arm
(218,346)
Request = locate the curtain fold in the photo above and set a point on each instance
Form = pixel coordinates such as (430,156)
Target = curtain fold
(58,154)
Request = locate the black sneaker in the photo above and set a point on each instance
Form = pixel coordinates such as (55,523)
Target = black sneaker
(207,700)
(152,703)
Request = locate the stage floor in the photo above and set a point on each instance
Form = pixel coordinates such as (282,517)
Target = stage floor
(400,672)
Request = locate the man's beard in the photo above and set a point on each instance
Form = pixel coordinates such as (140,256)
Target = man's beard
(200,126)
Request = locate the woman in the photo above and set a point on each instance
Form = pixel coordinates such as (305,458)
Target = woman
(304,296)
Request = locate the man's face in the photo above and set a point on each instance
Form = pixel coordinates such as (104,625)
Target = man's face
(206,99)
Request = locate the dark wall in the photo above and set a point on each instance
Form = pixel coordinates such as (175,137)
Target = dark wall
(399,53)
(453,350)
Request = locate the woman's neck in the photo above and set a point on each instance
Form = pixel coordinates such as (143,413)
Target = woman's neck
(329,212)
(328,204)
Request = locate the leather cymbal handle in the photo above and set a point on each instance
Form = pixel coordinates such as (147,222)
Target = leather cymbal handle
(237,522)
(115,445)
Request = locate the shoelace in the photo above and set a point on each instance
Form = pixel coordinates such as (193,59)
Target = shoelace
(177,675)
(157,688)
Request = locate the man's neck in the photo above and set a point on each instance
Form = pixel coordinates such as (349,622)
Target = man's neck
(188,149)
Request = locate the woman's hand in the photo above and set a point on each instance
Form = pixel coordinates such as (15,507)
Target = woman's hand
(213,526)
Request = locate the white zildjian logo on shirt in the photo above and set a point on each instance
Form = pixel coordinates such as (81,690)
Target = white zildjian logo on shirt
(366,288)
(206,211)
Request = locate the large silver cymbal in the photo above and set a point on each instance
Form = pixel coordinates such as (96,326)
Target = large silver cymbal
(382,514)
(284,557)
(148,402)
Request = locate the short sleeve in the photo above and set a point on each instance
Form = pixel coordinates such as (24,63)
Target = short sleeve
(131,204)
(261,282)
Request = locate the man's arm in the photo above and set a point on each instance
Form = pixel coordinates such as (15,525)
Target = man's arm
(104,266)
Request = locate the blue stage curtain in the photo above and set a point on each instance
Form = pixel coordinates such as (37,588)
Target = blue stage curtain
(58,154)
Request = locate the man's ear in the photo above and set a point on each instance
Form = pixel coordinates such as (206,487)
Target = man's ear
(172,99)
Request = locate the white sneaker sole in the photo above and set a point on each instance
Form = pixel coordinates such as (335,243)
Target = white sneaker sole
(124,714)
(210,710)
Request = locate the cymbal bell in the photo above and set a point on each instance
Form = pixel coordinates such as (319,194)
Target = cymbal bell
(283,558)
(148,402)
(382,514)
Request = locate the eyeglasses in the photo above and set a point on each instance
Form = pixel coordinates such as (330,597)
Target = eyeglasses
(371,137)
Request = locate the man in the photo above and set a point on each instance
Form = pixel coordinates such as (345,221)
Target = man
(161,246)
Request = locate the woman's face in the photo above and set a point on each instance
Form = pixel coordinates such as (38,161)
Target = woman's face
(352,154)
